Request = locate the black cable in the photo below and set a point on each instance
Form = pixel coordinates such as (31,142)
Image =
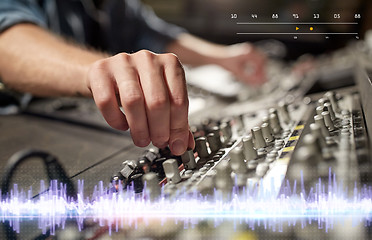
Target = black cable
(53,168)
(54,171)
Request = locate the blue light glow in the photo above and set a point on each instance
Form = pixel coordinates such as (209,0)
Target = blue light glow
(326,204)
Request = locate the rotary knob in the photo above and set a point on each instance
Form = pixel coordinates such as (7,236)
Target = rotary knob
(237,160)
(188,160)
(249,152)
(201,147)
(258,138)
(171,171)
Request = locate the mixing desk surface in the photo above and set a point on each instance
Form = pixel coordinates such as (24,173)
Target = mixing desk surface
(285,161)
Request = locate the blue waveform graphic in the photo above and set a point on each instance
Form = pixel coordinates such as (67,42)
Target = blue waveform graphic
(326,204)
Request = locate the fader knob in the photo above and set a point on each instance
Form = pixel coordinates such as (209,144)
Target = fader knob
(237,161)
(320,121)
(328,121)
(258,137)
(249,151)
(201,147)
(188,160)
(151,183)
(266,133)
(171,171)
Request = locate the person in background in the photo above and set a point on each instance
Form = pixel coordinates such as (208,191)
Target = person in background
(117,52)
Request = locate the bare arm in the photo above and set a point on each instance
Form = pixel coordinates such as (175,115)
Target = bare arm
(243,60)
(150,88)
(35,61)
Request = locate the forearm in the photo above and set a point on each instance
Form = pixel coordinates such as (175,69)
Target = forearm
(195,51)
(35,61)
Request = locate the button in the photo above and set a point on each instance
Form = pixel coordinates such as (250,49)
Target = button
(187,174)
(203,170)
(248,150)
(237,160)
(259,141)
(216,158)
(201,147)
(279,143)
(171,171)
(209,164)
(188,160)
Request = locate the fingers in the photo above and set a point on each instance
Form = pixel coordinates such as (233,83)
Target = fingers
(157,104)
(103,87)
(131,98)
(151,89)
(176,83)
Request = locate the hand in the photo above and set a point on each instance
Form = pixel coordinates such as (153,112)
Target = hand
(245,62)
(151,89)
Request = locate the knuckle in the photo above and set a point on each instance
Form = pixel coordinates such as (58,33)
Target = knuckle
(172,59)
(96,68)
(100,64)
(102,100)
(132,99)
(156,102)
(145,54)
(180,101)
(123,57)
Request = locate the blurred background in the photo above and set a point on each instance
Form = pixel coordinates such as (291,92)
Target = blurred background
(211,19)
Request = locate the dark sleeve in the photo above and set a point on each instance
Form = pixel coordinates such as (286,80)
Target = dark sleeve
(136,27)
(20,11)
